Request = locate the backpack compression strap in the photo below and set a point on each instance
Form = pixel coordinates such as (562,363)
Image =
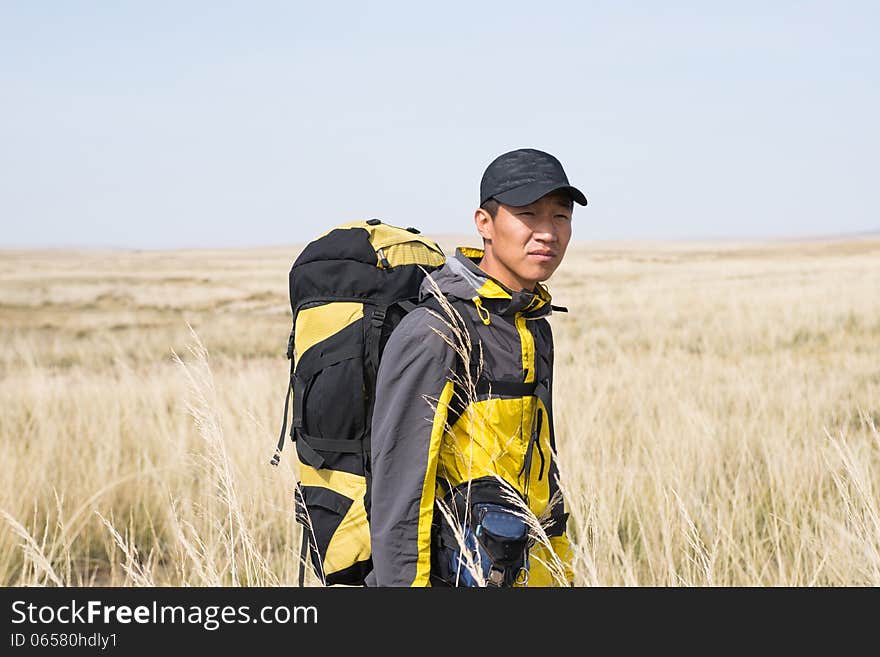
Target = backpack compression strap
(276,457)
(372,341)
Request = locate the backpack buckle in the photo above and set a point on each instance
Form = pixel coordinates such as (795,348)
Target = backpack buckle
(495,578)
(378,318)
(290,346)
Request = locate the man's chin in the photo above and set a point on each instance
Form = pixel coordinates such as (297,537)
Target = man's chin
(537,275)
(542,273)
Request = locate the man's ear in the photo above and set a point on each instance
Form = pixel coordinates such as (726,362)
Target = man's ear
(483,221)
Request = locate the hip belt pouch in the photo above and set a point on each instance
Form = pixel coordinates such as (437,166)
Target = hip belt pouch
(490,541)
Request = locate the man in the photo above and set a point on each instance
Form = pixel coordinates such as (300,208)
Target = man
(432,438)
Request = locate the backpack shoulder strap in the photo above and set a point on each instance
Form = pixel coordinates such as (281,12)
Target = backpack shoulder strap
(460,306)
(482,384)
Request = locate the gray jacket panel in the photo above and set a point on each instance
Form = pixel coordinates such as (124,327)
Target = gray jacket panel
(416,364)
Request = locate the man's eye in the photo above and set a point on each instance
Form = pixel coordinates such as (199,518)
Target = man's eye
(527,214)
(562,216)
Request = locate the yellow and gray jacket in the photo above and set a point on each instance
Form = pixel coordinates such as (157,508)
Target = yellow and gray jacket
(422,446)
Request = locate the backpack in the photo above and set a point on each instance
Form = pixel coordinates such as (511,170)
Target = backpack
(349,288)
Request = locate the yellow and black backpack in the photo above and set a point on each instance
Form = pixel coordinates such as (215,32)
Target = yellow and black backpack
(348,290)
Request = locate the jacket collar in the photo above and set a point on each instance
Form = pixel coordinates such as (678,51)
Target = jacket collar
(461,277)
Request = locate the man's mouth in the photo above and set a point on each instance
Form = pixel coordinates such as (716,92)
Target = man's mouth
(543,255)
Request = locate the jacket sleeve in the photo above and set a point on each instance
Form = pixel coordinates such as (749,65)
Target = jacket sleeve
(413,389)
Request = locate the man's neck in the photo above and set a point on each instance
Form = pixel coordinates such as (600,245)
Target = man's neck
(502,274)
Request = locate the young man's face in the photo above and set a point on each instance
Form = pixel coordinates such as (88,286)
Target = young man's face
(525,244)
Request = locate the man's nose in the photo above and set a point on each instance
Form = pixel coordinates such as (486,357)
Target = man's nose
(546,230)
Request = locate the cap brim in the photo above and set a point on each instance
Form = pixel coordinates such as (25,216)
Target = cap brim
(533,191)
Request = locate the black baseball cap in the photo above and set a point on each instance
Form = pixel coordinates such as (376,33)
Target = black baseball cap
(523,176)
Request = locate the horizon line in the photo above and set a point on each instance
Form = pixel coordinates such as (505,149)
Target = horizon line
(462,237)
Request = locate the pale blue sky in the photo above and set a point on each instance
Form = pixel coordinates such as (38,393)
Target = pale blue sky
(177,124)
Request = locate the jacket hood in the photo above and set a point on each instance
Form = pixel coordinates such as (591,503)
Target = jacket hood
(460,277)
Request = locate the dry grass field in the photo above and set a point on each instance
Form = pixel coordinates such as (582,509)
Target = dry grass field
(717,409)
